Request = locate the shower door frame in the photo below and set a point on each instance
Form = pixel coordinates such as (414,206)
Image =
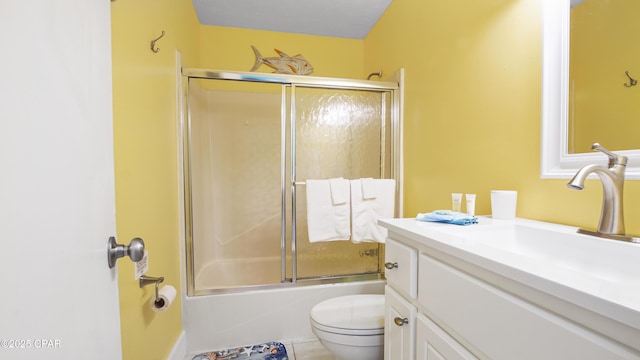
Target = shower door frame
(290,82)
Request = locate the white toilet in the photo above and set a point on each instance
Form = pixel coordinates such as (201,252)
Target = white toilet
(351,327)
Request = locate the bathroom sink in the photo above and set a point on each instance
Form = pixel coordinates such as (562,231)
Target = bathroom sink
(562,247)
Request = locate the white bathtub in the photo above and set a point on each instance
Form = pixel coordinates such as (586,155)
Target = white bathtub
(219,321)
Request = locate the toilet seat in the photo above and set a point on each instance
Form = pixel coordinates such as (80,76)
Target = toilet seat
(350,315)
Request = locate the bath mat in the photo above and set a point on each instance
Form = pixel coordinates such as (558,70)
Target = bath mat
(266,351)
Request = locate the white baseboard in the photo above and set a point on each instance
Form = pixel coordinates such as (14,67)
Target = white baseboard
(179,351)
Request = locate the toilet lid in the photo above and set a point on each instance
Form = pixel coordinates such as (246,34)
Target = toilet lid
(357,312)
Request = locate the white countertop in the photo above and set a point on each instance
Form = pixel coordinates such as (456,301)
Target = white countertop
(598,274)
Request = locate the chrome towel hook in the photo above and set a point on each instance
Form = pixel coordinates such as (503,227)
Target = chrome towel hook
(633,81)
(378,74)
(153,43)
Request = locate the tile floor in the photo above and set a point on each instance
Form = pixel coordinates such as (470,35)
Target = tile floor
(308,350)
(301,350)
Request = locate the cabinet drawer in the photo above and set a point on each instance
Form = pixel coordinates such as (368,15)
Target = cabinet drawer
(434,343)
(401,263)
(399,327)
(497,325)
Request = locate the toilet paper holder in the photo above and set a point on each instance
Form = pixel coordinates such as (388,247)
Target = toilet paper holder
(148,280)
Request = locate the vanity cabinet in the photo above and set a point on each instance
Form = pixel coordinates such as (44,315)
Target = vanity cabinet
(401,290)
(444,307)
(409,335)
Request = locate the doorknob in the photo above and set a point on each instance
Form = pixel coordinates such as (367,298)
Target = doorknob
(135,250)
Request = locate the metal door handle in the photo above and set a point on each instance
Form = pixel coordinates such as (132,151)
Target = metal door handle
(135,250)
(400,321)
(391,266)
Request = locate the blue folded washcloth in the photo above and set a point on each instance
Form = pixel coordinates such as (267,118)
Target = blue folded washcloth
(448,217)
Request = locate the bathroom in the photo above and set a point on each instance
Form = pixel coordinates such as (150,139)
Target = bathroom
(450,52)
(472,111)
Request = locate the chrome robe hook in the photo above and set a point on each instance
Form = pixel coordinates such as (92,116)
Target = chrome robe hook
(633,81)
(153,43)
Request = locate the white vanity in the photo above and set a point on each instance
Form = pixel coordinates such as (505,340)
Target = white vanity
(512,290)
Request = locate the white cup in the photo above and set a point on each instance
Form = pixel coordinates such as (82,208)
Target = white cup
(503,204)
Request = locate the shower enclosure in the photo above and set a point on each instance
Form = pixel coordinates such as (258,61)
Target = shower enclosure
(250,142)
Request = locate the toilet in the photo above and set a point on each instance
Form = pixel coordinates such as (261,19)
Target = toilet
(351,327)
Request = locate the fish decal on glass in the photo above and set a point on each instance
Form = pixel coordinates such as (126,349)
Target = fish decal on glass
(284,64)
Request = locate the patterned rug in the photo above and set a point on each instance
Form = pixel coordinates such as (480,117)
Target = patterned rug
(266,351)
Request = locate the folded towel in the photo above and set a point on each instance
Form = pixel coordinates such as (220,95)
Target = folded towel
(369,188)
(448,217)
(365,213)
(339,190)
(326,221)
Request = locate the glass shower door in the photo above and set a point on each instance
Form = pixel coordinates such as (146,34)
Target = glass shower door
(236,198)
(338,133)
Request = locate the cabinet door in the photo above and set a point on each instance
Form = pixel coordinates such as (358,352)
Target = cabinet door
(500,325)
(399,327)
(401,262)
(433,343)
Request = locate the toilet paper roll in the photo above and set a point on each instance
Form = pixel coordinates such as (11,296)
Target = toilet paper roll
(166,295)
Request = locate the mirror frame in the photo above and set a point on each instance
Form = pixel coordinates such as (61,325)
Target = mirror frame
(555,161)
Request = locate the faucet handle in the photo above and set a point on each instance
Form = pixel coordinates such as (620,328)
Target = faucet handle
(614,159)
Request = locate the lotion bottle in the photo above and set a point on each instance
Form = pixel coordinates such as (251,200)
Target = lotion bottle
(471,204)
(456,202)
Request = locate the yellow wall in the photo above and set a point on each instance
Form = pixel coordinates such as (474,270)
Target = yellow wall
(472,108)
(144,101)
(230,49)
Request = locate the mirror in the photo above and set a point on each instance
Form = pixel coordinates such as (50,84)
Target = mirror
(556,159)
(603,99)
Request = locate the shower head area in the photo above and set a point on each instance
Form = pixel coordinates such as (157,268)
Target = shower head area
(250,143)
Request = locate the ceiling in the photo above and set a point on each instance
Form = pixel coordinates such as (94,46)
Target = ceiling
(336,18)
(576,2)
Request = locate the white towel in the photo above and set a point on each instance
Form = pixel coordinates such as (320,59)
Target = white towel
(365,213)
(369,188)
(339,190)
(326,221)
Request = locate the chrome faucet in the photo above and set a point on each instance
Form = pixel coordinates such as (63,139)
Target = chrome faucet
(612,217)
